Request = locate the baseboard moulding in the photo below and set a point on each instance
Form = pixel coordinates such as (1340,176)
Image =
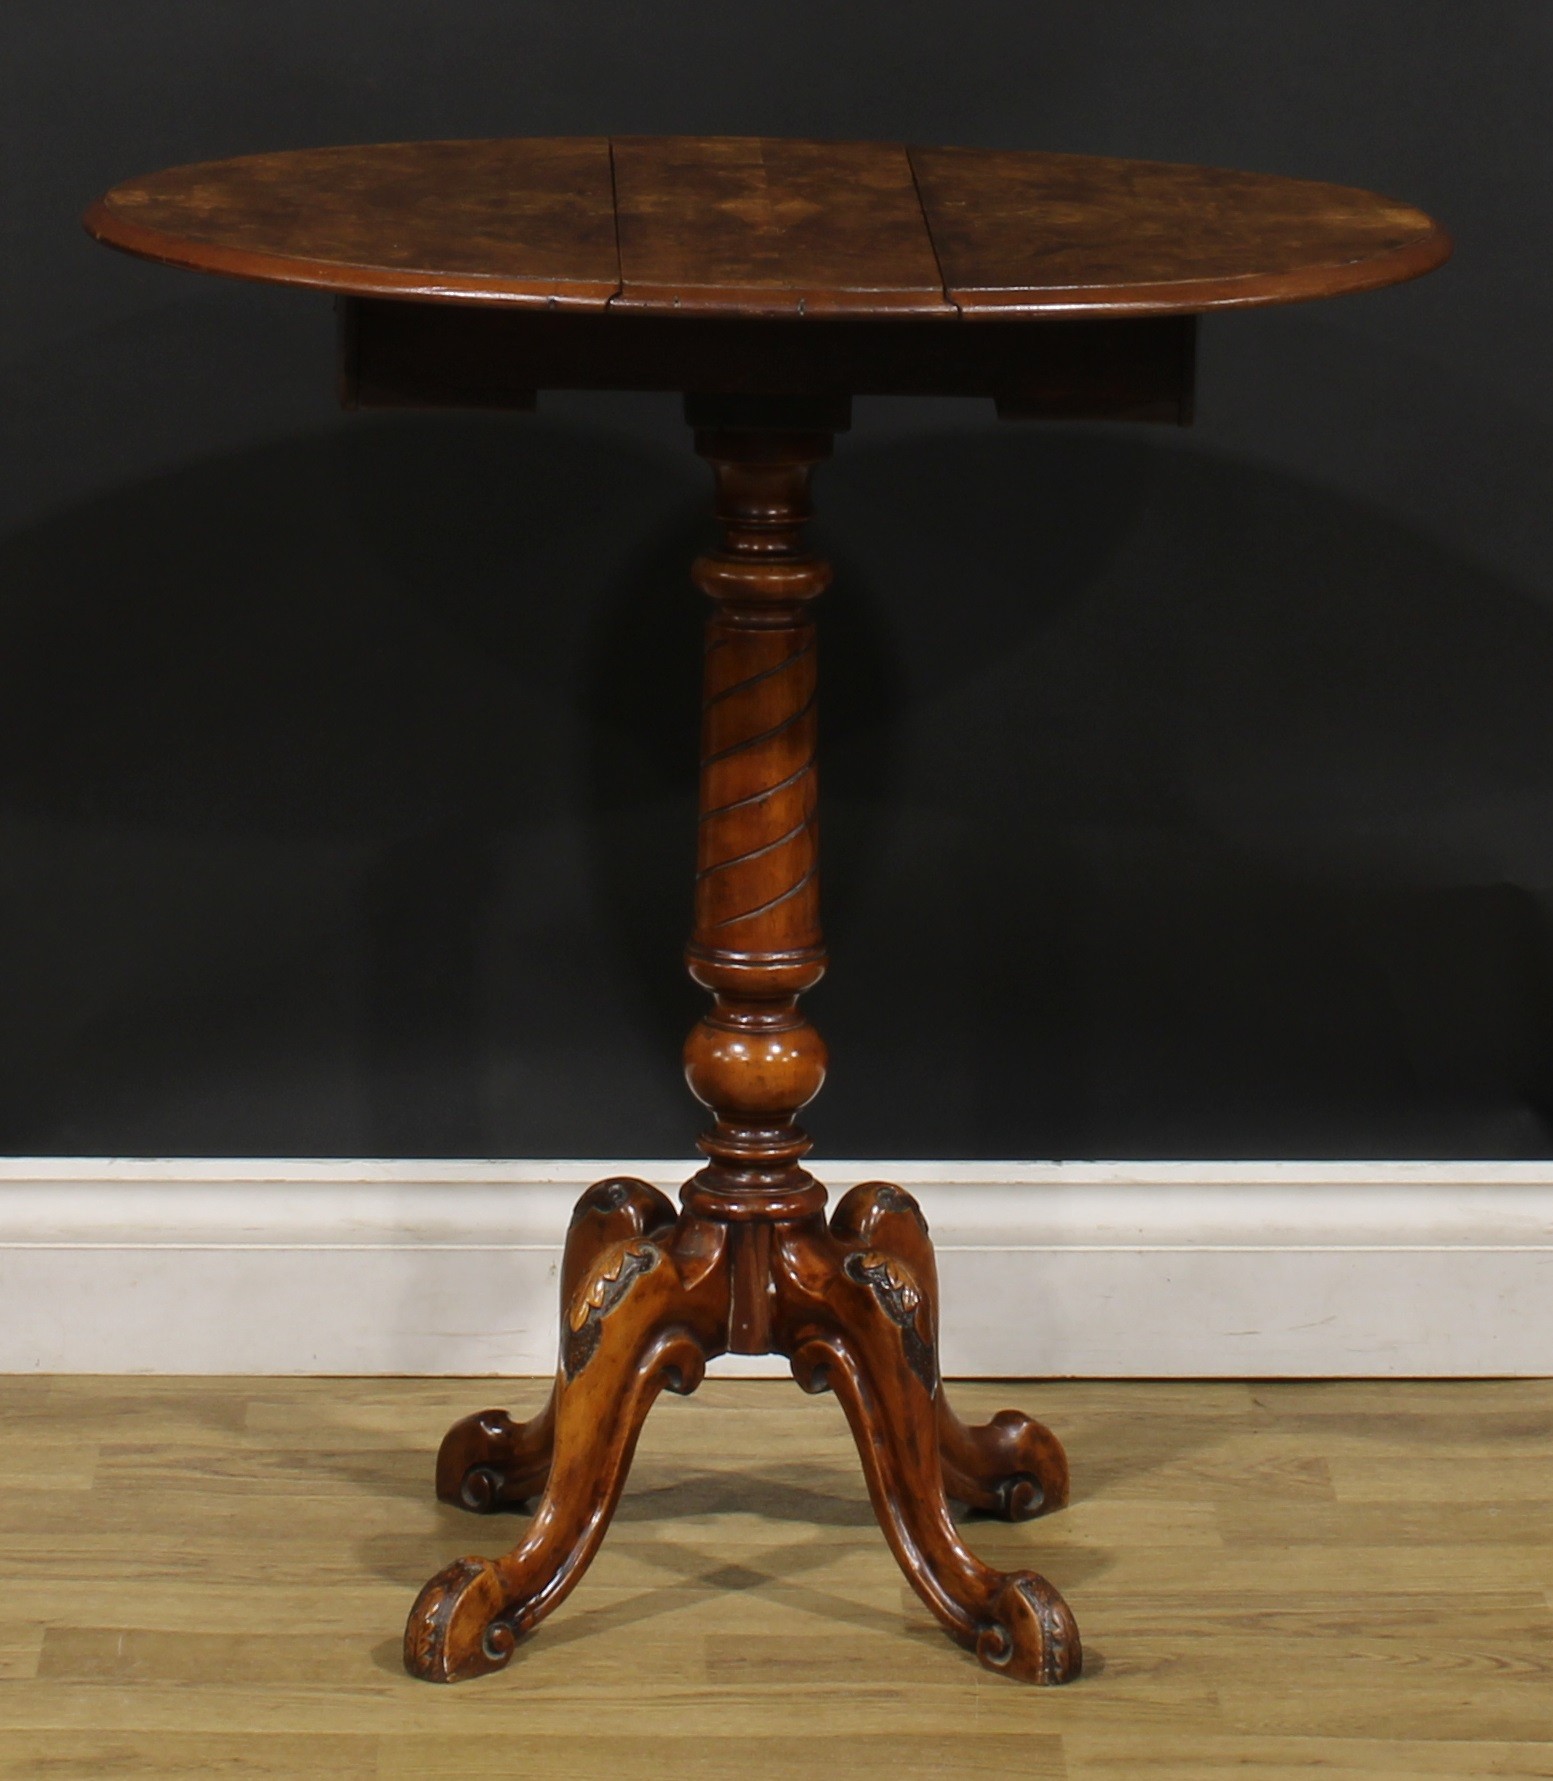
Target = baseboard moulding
(1099,1270)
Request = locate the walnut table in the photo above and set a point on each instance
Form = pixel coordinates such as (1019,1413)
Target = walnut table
(770,282)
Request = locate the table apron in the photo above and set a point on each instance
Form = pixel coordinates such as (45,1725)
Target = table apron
(402,354)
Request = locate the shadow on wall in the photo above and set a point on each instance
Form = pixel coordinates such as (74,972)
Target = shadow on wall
(1172,807)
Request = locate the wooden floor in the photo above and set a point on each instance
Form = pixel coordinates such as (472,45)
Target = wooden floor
(209,1577)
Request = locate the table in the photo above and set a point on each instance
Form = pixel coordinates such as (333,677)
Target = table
(770,281)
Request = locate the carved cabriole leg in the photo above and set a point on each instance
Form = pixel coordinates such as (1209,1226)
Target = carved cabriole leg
(488,1461)
(1012,1466)
(645,1317)
(859,1322)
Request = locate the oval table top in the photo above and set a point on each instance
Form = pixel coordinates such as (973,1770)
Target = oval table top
(752,227)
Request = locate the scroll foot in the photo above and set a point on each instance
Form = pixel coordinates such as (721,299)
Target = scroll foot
(488,1461)
(453,1632)
(1032,1635)
(1012,1467)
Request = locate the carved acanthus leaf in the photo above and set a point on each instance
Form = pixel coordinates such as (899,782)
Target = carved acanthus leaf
(900,1298)
(614,1274)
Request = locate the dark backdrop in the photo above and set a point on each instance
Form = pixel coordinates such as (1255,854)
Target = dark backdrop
(1187,794)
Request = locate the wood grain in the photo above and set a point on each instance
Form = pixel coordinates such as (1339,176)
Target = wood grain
(746,226)
(171,1625)
(1044,234)
(768,228)
(526,220)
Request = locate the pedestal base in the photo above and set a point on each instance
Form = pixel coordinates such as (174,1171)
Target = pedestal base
(648,1296)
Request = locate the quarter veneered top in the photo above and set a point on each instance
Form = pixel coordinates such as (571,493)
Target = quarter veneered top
(745,226)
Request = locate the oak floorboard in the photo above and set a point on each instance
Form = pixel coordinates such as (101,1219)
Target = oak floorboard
(1299,1759)
(879,1757)
(1454,1478)
(1272,1579)
(21,1645)
(190,1756)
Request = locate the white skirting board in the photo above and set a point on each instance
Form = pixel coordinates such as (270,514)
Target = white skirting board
(1099,1270)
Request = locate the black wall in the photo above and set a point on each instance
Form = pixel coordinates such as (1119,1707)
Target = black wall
(1186,794)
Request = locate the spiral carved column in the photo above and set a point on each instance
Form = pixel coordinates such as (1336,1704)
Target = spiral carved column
(751,1262)
(754,1059)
